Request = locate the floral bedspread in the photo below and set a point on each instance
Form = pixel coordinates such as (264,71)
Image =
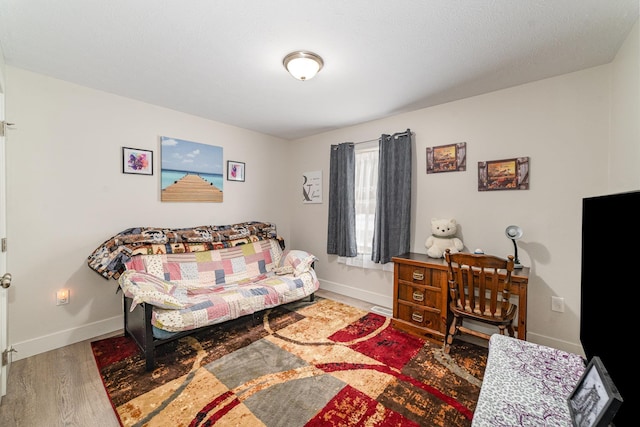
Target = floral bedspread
(109,258)
(526,384)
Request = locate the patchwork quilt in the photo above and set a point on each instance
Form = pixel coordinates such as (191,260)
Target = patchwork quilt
(109,259)
(192,290)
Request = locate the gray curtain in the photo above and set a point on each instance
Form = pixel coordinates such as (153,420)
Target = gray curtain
(392,232)
(341,237)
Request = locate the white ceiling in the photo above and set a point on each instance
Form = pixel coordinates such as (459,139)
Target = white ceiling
(222,60)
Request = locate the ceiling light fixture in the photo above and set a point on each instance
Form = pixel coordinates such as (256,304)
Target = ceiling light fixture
(303,65)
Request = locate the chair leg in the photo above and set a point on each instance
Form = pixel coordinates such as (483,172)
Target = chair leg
(512,332)
(452,331)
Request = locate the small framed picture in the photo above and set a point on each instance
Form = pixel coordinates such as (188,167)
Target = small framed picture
(137,161)
(595,399)
(235,171)
(312,187)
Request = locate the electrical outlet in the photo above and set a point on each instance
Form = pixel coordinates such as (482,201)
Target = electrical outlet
(62,297)
(557,304)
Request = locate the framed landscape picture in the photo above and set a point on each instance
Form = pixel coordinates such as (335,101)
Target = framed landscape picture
(447,158)
(190,171)
(506,174)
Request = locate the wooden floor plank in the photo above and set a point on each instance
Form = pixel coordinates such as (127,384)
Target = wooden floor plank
(58,388)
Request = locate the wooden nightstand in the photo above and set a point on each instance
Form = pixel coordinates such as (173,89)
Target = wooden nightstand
(421,294)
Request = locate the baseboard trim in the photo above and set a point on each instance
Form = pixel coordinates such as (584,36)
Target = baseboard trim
(556,343)
(387,301)
(372,297)
(60,339)
(71,336)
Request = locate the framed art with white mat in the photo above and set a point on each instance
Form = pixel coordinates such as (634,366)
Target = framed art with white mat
(595,399)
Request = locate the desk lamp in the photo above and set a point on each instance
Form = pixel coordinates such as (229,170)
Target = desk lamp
(514,233)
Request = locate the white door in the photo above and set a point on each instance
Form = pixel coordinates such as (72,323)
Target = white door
(5,278)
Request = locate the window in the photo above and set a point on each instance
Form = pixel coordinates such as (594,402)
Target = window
(366,225)
(366,183)
(366,186)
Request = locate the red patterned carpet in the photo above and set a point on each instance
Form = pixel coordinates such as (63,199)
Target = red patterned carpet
(303,364)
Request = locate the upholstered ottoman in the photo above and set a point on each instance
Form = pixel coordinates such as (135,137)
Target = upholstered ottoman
(526,384)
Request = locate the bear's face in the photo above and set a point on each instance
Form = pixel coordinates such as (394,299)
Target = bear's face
(443,227)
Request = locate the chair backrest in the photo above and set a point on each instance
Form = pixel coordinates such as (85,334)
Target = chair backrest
(480,283)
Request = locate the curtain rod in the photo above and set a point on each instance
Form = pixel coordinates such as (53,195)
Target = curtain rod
(378,139)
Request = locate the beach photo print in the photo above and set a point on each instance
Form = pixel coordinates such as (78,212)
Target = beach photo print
(190,171)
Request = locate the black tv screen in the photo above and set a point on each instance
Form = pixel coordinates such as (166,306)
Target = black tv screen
(609,288)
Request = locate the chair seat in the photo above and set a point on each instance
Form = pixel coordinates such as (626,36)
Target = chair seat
(476,313)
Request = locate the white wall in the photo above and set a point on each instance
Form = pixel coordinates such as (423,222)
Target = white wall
(2,69)
(562,124)
(625,116)
(67,194)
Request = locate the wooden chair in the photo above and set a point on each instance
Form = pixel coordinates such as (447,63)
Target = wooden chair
(479,292)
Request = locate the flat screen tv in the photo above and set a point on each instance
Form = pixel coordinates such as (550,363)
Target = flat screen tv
(609,290)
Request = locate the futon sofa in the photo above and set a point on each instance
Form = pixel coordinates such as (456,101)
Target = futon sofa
(177,281)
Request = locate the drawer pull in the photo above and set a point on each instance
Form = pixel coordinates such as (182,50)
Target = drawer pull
(417,317)
(418,296)
(418,275)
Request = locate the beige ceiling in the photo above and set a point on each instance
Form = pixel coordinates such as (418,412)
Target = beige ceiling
(222,60)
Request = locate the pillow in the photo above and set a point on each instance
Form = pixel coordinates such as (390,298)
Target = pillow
(300,261)
(143,287)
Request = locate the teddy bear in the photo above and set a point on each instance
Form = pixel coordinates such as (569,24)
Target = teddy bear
(443,237)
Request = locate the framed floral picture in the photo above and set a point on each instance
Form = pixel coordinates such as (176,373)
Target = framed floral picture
(235,171)
(137,161)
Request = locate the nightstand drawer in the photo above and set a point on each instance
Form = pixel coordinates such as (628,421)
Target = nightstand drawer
(419,295)
(419,316)
(415,274)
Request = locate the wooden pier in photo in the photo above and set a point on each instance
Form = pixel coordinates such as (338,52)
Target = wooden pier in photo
(191,188)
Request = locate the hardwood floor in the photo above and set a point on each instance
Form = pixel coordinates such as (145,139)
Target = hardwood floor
(57,388)
(63,388)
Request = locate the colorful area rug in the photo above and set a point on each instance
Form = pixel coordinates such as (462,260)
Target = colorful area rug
(318,363)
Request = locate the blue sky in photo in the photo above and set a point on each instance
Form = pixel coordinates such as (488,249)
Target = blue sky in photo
(180,155)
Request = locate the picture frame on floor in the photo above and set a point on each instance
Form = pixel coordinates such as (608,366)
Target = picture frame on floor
(595,399)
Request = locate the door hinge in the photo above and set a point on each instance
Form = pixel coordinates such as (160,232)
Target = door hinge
(3,244)
(5,355)
(3,127)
